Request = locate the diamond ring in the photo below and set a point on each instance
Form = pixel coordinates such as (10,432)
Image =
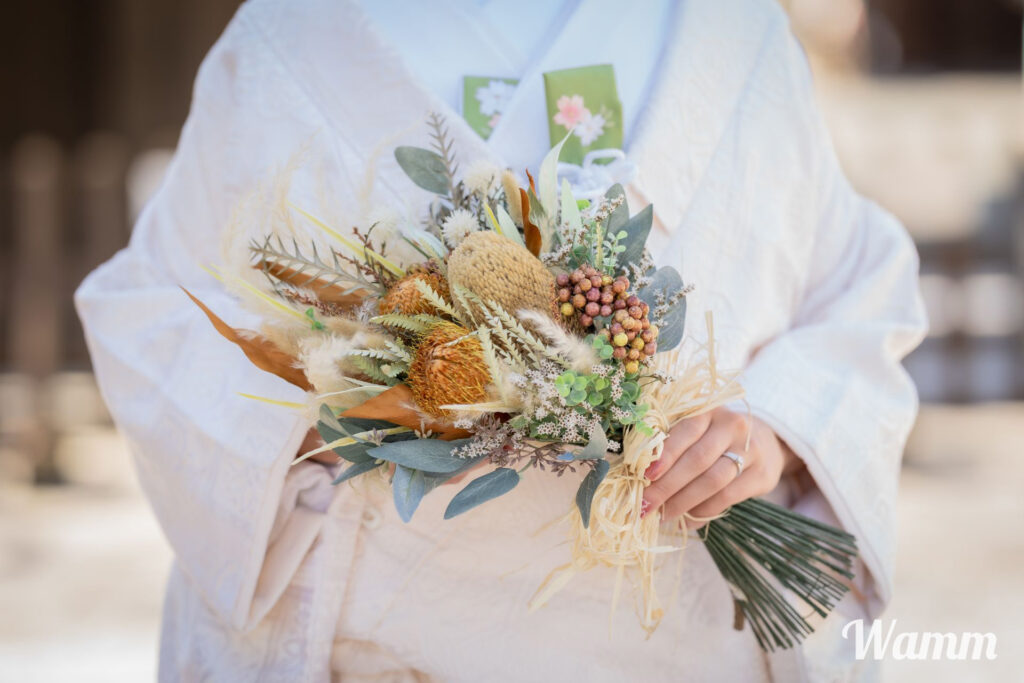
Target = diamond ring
(736,459)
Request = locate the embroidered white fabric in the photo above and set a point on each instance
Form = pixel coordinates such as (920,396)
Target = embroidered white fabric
(813,290)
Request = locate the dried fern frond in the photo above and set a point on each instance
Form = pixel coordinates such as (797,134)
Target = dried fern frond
(437,301)
(414,324)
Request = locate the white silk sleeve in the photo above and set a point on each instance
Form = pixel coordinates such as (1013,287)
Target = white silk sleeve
(214,465)
(832,386)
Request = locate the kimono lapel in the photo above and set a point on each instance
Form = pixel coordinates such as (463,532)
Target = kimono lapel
(701,84)
(370,102)
(596,32)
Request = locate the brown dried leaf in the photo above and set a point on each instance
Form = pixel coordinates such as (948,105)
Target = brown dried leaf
(397,405)
(531,233)
(258,349)
(331,294)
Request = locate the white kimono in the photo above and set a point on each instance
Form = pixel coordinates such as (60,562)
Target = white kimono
(279,576)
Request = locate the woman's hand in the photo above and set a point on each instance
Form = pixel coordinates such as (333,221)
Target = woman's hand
(694,478)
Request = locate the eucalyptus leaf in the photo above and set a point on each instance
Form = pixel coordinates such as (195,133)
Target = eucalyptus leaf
(547,178)
(588,487)
(328,417)
(408,488)
(481,490)
(430,455)
(570,209)
(670,328)
(424,167)
(596,447)
(620,216)
(355,453)
(637,229)
(508,226)
(358,425)
(356,470)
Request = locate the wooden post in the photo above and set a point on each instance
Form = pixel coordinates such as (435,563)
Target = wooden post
(34,330)
(100,215)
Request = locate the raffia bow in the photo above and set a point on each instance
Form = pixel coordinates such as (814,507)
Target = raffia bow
(617,535)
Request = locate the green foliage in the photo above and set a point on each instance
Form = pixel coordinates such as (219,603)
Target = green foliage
(408,487)
(430,455)
(356,470)
(669,317)
(636,230)
(588,487)
(314,323)
(597,394)
(482,489)
(425,168)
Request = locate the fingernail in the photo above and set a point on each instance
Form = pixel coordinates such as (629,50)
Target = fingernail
(652,469)
(644,508)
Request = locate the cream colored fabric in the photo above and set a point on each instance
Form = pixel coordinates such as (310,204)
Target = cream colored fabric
(281,577)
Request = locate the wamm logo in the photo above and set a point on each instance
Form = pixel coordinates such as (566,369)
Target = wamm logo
(881,643)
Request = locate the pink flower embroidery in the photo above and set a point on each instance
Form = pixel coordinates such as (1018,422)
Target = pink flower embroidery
(493,121)
(570,111)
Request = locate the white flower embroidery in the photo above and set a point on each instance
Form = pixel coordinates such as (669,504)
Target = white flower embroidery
(494,97)
(590,127)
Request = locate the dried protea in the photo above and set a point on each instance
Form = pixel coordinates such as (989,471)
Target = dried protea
(448,368)
(405,296)
(496,269)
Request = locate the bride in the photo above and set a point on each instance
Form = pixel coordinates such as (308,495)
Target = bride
(279,576)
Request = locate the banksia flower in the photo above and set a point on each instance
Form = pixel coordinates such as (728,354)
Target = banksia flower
(448,368)
(496,269)
(405,296)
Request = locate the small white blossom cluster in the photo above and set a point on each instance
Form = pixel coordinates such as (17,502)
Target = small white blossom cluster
(550,417)
(493,439)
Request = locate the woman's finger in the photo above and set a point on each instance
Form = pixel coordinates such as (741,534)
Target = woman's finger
(679,439)
(738,490)
(717,478)
(694,462)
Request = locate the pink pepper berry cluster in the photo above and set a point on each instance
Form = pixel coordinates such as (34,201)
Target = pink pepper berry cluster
(599,301)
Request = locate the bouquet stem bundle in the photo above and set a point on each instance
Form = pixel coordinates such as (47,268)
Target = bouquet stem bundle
(750,541)
(617,536)
(757,538)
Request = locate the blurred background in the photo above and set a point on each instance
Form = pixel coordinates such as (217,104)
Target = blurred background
(923,100)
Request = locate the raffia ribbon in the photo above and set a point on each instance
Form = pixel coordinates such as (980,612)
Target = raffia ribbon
(618,536)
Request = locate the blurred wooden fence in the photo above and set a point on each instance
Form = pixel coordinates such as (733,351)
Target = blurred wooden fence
(68,212)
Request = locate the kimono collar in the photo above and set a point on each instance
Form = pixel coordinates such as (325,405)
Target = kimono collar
(371,102)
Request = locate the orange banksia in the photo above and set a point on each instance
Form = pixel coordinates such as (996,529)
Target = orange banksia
(448,368)
(405,297)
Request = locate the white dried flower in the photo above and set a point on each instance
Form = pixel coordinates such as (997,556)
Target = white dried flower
(457,226)
(481,177)
(384,222)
